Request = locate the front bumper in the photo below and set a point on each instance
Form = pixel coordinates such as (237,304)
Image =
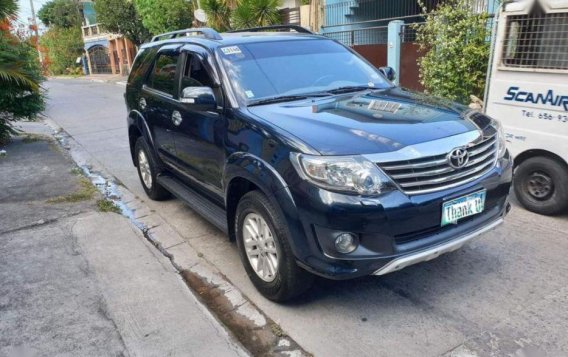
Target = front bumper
(434,252)
(394,230)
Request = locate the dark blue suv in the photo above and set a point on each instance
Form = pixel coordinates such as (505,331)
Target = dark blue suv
(308,156)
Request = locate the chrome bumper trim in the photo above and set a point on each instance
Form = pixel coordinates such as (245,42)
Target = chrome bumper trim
(434,252)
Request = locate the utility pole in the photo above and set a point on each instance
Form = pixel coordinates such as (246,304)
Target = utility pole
(34,24)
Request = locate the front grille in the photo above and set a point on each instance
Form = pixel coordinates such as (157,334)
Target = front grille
(434,173)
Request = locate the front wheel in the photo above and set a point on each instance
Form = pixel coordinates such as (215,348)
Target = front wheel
(265,250)
(541,185)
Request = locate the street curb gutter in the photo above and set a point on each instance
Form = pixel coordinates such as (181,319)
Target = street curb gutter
(260,335)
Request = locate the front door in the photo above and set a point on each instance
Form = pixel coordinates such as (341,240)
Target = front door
(199,135)
(159,95)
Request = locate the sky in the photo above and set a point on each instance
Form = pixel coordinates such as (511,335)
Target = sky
(25,9)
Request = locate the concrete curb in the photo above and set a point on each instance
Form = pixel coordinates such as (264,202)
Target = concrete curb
(257,332)
(121,82)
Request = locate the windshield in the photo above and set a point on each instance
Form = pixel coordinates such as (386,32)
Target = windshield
(298,67)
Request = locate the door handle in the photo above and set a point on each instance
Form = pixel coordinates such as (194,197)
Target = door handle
(142,103)
(176,118)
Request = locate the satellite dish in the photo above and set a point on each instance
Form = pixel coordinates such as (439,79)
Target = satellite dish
(200,15)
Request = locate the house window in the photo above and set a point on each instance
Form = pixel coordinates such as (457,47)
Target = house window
(536,41)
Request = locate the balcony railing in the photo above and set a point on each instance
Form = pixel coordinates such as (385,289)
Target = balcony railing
(92,31)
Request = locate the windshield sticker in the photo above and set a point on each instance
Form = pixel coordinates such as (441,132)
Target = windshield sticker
(231,50)
(249,94)
(384,106)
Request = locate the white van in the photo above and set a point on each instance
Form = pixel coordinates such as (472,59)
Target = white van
(528,92)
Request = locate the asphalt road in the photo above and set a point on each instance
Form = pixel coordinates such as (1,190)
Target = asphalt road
(504,294)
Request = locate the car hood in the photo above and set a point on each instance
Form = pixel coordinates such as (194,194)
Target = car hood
(371,121)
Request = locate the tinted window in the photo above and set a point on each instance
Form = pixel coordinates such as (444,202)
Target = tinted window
(195,74)
(164,72)
(267,69)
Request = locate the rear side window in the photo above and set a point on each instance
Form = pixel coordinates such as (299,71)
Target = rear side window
(163,73)
(142,62)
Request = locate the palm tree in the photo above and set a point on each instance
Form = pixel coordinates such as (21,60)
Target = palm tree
(218,14)
(254,13)
(12,69)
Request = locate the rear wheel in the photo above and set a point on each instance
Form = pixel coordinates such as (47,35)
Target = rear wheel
(265,251)
(541,185)
(148,171)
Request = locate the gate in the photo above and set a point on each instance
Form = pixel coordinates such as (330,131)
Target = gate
(99,59)
(371,43)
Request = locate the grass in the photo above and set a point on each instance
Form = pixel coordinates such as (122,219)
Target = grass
(76,171)
(32,138)
(106,205)
(85,192)
(277,330)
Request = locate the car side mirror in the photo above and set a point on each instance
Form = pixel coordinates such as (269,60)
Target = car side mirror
(199,96)
(388,72)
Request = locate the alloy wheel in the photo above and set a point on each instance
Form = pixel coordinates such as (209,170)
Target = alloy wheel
(144,167)
(260,247)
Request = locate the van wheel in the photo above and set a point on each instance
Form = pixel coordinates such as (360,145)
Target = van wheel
(541,185)
(263,243)
(148,170)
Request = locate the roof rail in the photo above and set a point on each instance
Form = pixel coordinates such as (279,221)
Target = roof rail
(207,32)
(296,28)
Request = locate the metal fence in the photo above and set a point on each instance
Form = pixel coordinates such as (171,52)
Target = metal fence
(361,11)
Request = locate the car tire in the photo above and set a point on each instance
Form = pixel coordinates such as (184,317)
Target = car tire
(540,185)
(148,170)
(288,280)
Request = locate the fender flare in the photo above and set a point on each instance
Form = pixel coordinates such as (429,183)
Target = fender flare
(136,119)
(271,183)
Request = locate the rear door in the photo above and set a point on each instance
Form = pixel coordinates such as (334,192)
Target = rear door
(159,95)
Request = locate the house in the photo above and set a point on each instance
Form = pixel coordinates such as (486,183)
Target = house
(106,53)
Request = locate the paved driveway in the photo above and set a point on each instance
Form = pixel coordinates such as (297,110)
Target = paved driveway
(503,294)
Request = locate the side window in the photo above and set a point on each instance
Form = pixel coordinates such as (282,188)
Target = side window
(537,41)
(163,74)
(195,74)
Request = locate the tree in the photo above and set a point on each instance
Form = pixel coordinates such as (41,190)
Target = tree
(160,16)
(120,16)
(20,76)
(456,41)
(218,14)
(61,13)
(63,46)
(254,13)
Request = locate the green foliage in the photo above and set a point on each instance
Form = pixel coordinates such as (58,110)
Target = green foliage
(8,8)
(20,77)
(254,13)
(61,13)
(218,14)
(457,43)
(160,16)
(63,46)
(120,16)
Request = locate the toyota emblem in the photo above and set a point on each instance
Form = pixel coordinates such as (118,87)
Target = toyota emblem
(458,158)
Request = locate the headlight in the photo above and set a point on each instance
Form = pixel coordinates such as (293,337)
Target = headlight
(353,174)
(501,140)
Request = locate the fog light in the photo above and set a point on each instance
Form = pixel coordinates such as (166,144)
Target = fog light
(346,243)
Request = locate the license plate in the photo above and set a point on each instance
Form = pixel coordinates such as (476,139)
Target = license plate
(456,209)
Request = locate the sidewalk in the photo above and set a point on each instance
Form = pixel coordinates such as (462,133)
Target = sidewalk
(101,78)
(77,281)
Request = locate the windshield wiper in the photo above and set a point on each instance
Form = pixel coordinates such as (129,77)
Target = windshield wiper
(348,89)
(282,98)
